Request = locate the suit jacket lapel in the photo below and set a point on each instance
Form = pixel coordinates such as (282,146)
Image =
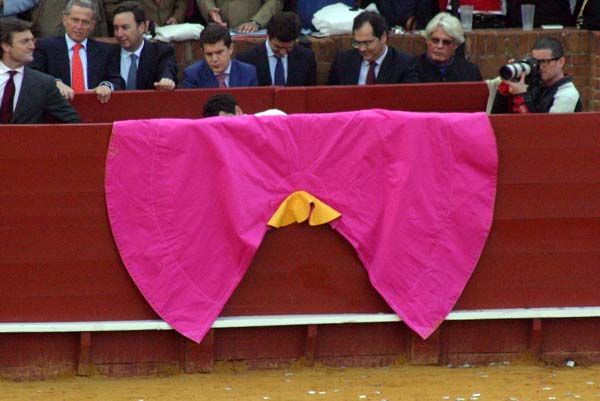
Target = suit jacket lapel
(234,74)
(264,71)
(208,76)
(296,73)
(65,65)
(386,68)
(355,68)
(145,66)
(23,100)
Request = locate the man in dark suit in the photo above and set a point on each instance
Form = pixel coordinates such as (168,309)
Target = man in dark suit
(143,64)
(26,95)
(371,61)
(218,69)
(280,61)
(77,62)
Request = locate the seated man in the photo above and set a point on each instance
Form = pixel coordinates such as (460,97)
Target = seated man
(218,69)
(545,90)
(77,62)
(444,33)
(143,64)
(371,61)
(26,95)
(280,60)
(243,15)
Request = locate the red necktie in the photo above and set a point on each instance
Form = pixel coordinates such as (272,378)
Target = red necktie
(221,79)
(6,109)
(371,73)
(78,83)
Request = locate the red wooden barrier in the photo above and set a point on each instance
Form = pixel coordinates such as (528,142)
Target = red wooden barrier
(59,263)
(188,103)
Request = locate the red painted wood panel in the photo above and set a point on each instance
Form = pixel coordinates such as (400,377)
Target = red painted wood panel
(59,261)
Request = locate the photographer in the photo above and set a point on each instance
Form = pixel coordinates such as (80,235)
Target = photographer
(538,83)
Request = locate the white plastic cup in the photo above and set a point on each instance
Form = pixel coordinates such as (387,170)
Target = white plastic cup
(466,17)
(527,14)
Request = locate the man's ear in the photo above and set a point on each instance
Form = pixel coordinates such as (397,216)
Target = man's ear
(561,61)
(238,110)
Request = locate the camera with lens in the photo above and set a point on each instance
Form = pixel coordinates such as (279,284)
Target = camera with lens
(513,71)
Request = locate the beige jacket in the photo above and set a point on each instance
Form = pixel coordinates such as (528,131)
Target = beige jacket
(236,12)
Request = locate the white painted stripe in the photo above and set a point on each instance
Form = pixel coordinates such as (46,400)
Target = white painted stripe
(295,320)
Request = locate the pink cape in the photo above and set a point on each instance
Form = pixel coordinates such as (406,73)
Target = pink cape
(188,202)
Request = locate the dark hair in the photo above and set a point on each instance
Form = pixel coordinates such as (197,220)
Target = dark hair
(220,102)
(8,27)
(377,22)
(552,44)
(213,34)
(284,26)
(132,7)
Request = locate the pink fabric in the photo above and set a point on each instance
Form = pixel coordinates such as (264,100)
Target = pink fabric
(189,200)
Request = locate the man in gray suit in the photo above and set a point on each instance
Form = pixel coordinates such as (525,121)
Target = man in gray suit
(26,95)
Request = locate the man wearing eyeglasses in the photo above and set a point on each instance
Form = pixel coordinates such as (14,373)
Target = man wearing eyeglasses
(371,61)
(547,90)
(444,34)
(280,60)
(77,62)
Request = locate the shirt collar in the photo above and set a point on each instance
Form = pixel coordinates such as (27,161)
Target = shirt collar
(227,70)
(270,52)
(379,60)
(4,68)
(126,53)
(71,42)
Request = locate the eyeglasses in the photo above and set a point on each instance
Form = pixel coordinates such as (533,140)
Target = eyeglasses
(444,42)
(546,61)
(364,43)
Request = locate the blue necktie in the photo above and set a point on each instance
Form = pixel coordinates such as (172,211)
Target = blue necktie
(132,74)
(279,74)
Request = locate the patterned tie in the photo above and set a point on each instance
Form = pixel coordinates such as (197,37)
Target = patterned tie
(132,74)
(371,73)
(6,110)
(78,82)
(279,74)
(221,80)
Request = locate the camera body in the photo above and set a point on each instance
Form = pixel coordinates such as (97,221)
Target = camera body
(513,71)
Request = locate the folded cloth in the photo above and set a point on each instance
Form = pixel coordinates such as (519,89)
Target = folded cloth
(336,19)
(189,201)
(178,32)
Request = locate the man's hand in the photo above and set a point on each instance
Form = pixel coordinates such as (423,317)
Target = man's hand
(171,21)
(248,27)
(65,90)
(165,84)
(519,87)
(103,93)
(215,15)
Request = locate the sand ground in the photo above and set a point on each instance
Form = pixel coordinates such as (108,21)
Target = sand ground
(497,381)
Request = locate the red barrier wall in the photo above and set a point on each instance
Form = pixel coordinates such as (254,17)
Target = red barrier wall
(188,103)
(59,263)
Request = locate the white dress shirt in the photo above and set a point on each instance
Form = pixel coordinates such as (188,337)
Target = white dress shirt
(273,62)
(18,80)
(364,68)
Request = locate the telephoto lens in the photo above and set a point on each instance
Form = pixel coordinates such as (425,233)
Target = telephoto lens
(514,70)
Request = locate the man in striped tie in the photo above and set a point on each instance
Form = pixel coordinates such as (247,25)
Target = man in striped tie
(218,70)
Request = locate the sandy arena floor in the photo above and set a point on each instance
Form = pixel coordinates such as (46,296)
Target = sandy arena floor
(501,381)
